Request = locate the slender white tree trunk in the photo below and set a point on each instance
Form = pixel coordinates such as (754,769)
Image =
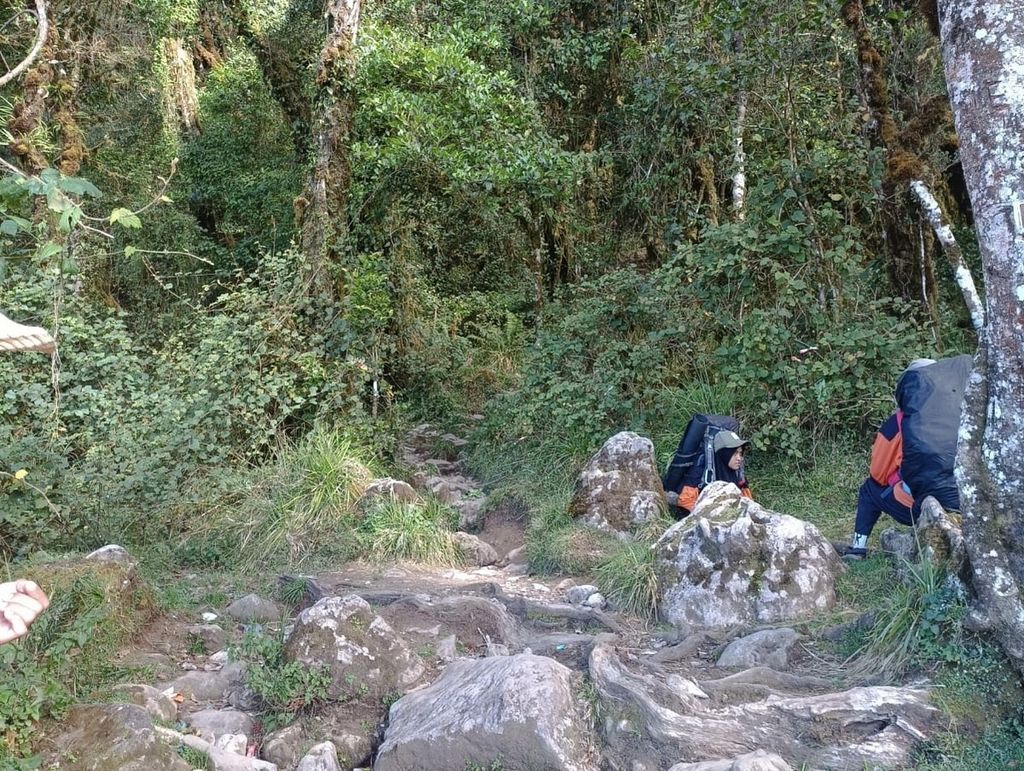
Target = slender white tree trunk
(962,274)
(739,178)
(983,54)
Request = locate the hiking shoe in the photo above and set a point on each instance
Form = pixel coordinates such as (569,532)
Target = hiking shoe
(849,553)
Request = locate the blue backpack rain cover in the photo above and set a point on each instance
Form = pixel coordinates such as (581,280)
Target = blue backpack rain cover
(931,399)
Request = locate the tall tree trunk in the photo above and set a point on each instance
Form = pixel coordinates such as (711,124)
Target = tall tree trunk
(982,48)
(324,210)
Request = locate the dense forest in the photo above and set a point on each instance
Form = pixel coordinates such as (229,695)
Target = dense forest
(271,233)
(570,216)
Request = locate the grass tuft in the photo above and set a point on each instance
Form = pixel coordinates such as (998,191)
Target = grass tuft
(394,531)
(629,579)
(919,622)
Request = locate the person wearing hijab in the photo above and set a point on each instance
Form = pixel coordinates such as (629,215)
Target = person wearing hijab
(729,451)
(884,491)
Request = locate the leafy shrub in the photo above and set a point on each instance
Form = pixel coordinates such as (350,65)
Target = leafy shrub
(286,688)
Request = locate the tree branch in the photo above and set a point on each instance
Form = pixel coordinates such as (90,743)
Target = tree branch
(42,31)
(951,248)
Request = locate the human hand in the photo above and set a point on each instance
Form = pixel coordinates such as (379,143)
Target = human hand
(20,602)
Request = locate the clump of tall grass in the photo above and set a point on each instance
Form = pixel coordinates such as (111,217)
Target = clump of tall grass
(300,504)
(557,545)
(393,531)
(919,623)
(629,579)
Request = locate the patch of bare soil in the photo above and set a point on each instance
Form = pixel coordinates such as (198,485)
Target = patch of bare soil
(504,527)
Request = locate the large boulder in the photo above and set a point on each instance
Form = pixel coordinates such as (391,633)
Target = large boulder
(522,710)
(620,487)
(104,737)
(733,562)
(361,651)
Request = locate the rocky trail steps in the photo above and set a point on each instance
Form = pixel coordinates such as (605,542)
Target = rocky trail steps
(488,668)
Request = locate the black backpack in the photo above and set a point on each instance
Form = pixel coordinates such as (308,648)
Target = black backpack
(693,464)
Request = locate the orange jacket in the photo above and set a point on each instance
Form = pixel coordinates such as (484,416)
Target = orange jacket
(688,496)
(887,455)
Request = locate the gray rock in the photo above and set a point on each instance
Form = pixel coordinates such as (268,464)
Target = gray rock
(97,737)
(234,743)
(110,553)
(471,512)
(158,705)
(447,649)
(516,556)
(523,709)
(219,759)
(282,746)
(768,648)
(213,723)
(388,489)
(759,760)
(212,636)
(252,607)
(224,685)
(362,652)
(477,551)
(733,562)
(620,487)
(596,600)
(322,757)
(578,595)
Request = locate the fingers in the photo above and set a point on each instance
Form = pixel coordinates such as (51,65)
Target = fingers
(31,589)
(27,607)
(12,626)
(20,603)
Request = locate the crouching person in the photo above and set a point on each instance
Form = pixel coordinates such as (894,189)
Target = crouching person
(729,452)
(884,491)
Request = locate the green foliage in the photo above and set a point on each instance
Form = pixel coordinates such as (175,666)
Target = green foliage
(629,580)
(286,687)
(92,610)
(240,174)
(417,532)
(557,545)
(195,758)
(299,504)
(919,622)
(982,694)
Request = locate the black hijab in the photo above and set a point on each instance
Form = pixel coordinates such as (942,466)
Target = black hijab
(725,474)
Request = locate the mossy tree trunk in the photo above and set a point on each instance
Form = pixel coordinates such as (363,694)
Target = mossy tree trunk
(982,47)
(323,211)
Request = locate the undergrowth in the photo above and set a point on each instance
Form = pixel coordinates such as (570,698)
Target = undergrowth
(69,654)
(629,580)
